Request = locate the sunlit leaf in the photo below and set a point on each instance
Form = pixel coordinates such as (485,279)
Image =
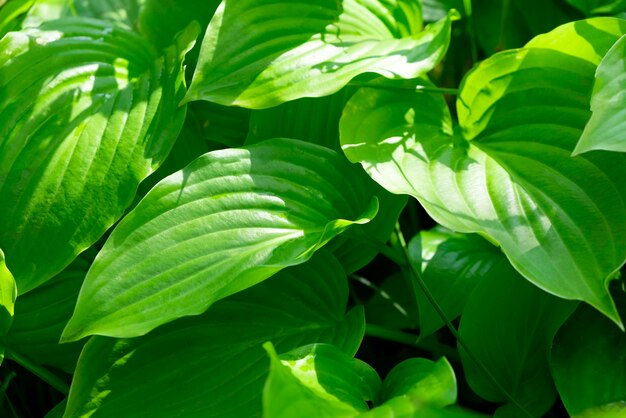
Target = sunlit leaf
(213,365)
(87,110)
(227,221)
(508,174)
(310,49)
(8,293)
(598,7)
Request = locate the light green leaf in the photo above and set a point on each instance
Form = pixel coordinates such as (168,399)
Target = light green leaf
(598,7)
(588,362)
(8,294)
(614,410)
(41,315)
(310,49)
(87,111)
(605,130)
(451,265)
(509,174)
(315,381)
(11,15)
(122,12)
(227,221)
(508,325)
(213,365)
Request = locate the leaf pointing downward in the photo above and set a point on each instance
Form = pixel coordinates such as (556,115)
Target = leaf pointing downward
(229,220)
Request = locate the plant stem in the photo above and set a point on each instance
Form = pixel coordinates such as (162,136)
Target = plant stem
(411,340)
(425,89)
(39,371)
(431,299)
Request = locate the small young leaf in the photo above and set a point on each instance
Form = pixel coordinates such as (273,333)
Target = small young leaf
(309,49)
(213,365)
(605,130)
(588,362)
(87,110)
(317,381)
(229,220)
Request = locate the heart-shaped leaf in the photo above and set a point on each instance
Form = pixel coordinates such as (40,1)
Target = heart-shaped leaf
(87,110)
(605,130)
(509,175)
(310,49)
(213,365)
(227,221)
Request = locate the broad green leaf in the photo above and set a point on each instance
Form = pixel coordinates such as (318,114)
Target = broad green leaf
(433,10)
(227,221)
(508,325)
(226,125)
(87,111)
(8,293)
(605,130)
(451,265)
(11,15)
(507,173)
(588,362)
(40,316)
(614,410)
(598,7)
(121,12)
(393,305)
(213,365)
(310,49)
(315,381)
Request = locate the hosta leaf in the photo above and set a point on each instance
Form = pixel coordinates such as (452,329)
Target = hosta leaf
(508,325)
(40,316)
(613,410)
(121,12)
(12,13)
(595,7)
(393,305)
(509,174)
(451,265)
(86,112)
(259,54)
(226,125)
(227,221)
(589,349)
(213,365)
(8,293)
(315,381)
(606,128)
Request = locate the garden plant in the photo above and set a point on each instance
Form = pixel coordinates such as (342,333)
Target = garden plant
(312,208)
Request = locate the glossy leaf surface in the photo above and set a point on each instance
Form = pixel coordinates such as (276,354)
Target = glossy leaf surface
(86,112)
(452,265)
(509,324)
(220,366)
(317,381)
(509,174)
(229,220)
(605,129)
(307,49)
(589,349)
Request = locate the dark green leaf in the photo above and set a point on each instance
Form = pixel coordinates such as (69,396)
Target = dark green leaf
(87,110)
(508,325)
(226,125)
(229,220)
(310,49)
(509,174)
(597,7)
(588,362)
(213,365)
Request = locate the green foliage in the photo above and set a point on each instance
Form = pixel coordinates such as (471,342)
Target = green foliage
(204,204)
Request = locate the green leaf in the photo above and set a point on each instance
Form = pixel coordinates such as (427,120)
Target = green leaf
(393,305)
(226,125)
(310,49)
(317,381)
(451,265)
(8,294)
(41,315)
(605,129)
(124,13)
(507,173)
(11,15)
(614,410)
(508,325)
(227,221)
(596,7)
(213,365)
(588,362)
(87,111)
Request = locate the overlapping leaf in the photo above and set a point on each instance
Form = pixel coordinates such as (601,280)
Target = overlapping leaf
(607,126)
(87,110)
(599,7)
(310,49)
(510,175)
(227,221)
(213,365)
(8,293)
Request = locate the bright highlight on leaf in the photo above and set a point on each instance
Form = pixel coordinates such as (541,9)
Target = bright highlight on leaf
(229,220)
(510,175)
(87,110)
(261,53)
(8,293)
